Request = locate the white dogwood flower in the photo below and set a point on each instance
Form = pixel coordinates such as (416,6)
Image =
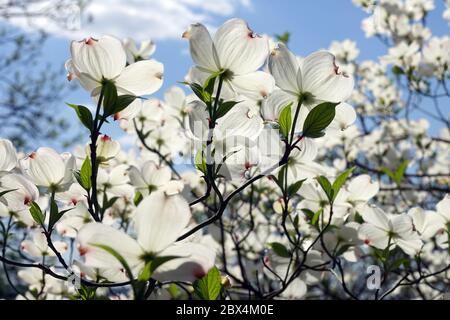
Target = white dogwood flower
(47,168)
(96,60)
(381,230)
(316,78)
(235,50)
(159,220)
(8,155)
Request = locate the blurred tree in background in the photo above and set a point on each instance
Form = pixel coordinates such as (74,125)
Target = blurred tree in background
(30,87)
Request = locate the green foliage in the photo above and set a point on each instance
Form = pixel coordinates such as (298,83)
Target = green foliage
(83,114)
(399,174)
(224,107)
(340,180)
(280,250)
(209,287)
(284,37)
(318,119)
(285,120)
(85,174)
(37,214)
(293,188)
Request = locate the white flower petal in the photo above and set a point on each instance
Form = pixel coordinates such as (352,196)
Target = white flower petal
(141,78)
(238,48)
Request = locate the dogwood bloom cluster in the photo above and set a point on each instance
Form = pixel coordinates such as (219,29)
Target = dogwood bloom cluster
(267,173)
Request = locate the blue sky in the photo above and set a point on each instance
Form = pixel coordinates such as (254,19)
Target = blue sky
(313,25)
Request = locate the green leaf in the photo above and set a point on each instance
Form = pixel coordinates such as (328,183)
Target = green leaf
(209,287)
(122,102)
(285,120)
(83,114)
(399,174)
(109,97)
(137,198)
(318,119)
(37,214)
(280,249)
(55,214)
(326,187)
(280,179)
(158,261)
(200,162)
(397,70)
(340,180)
(85,174)
(118,256)
(208,87)
(224,108)
(316,216)
(309,213)
(110,203)
(284,37)
(198,90)
(293,188)
(6,191)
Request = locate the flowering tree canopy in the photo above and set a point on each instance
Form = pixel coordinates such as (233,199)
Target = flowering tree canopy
(307,176)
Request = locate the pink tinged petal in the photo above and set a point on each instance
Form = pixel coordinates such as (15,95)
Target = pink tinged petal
(201,47)
(160,220)
(195,262)
(102,58)
(239,49)
(377,217)
(45,167)
(97,233)
(25,191)
(141,78)
(323,79)
(373,236)
(256,85)
(284,67)
(29,247)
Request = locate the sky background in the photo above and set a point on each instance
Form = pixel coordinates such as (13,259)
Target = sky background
(313,25)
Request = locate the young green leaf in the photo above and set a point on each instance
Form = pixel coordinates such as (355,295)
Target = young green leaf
(400,173)
(85,174)
(318,119)
(293,188)
(109,97)
(137,198)
(224,108)
(198,90)
(285,120)
(316,216)
(122,102)
(83,114)
(200,162)
(340,180)
(6,191)
(326,187)
(209,287)
(208,87)
(280,249)
(37,214)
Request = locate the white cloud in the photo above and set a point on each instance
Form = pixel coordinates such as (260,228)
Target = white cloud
(140,19)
